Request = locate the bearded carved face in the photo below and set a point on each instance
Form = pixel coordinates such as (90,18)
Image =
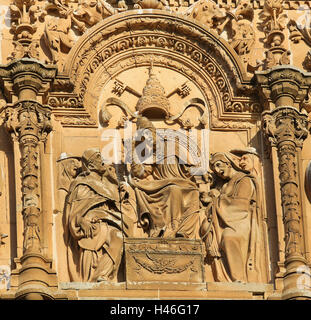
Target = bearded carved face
(97,164)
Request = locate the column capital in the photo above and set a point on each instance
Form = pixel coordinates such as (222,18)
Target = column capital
(285,124)
(28,119)
(283,86)
(27,77)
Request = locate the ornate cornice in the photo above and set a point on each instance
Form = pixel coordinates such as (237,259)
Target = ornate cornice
(25,65)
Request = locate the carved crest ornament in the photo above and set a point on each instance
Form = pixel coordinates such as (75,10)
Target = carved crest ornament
(142,134)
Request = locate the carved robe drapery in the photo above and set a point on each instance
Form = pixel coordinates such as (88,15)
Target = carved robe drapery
(99,204)
(165,198)
(237,245)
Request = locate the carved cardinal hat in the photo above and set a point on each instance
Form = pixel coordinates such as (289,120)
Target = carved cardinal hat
(64,156)
(240,152)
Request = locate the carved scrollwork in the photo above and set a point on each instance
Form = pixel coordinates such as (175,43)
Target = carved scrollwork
(197,103)
(63,101)
(159,265)
(184,47)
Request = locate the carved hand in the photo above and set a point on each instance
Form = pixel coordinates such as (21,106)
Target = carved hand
(87,227)
(125,190)
(214,193)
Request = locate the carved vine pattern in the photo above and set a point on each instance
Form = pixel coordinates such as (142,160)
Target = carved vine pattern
(29,123)
(286,129)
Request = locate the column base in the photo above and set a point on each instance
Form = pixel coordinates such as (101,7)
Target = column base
(33,278)
(297,279)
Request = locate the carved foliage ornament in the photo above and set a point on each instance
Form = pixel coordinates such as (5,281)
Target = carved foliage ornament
(25,14)
(28,118)
(285,124)
(286,128)
(29,123)
(273,22)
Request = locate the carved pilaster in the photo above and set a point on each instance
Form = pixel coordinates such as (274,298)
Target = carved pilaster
(285,129)
(28,123)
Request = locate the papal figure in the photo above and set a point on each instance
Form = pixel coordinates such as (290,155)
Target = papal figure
(235,242)
(167,198)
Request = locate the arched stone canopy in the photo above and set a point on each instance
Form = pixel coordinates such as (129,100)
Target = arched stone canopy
(235,79)
(132,39)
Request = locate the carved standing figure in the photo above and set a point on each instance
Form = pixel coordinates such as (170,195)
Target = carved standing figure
(236,245)
(95,222)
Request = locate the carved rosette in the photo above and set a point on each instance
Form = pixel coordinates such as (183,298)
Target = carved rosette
(286,129)
(28,122)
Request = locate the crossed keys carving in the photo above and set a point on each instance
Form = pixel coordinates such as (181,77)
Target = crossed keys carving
(119,88)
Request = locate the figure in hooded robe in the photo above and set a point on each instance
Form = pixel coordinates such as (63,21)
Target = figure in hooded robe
(236,239)
(96,224)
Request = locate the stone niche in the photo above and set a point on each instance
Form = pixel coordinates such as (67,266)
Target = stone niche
(175,264)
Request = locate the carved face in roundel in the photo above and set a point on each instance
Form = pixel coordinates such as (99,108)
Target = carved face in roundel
(223,169)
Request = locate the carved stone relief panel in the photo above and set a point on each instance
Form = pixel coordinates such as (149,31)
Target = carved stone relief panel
(158,201)
(148,82)
(92,63)
(159,261)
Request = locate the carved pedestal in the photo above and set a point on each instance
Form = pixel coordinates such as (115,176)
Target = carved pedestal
(157,263)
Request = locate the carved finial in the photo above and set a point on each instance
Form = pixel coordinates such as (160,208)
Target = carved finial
(151,72)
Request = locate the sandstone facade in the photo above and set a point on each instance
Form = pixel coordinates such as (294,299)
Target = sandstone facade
(155,149)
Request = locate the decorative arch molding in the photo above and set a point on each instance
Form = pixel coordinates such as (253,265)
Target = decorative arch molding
(130,39)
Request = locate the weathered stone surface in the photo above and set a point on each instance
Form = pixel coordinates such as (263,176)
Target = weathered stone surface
(168,263)
(155,149)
